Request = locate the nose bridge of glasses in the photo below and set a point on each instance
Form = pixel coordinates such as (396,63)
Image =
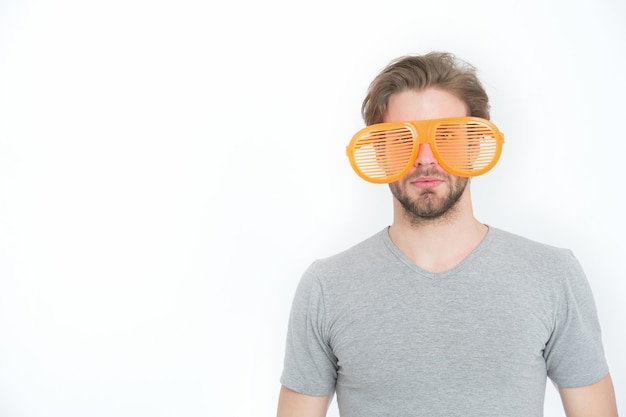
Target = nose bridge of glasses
(424,141)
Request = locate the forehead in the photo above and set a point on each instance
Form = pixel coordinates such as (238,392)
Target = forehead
(423,105)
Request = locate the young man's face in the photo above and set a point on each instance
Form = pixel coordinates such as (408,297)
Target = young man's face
(428,191)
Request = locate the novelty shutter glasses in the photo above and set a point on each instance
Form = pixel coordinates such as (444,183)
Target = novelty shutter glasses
(464,146)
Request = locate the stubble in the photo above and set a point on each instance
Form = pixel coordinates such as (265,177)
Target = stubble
(428,206)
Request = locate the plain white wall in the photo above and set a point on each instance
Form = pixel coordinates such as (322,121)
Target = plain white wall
(168,169)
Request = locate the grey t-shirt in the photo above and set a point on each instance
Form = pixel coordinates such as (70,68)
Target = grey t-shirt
(478,340)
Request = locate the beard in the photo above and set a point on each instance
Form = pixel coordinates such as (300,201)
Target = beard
(428,205)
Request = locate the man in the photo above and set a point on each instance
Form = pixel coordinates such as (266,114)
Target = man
(439,314)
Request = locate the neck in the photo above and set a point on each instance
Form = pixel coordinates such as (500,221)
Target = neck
(438,244)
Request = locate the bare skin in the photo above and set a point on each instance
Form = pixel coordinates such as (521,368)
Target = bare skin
(294,404)
(593,400)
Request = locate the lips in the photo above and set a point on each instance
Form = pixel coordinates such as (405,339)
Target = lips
(426,182)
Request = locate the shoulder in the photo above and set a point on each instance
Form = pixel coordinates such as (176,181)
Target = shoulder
(355,261)
(546,266)
(513,246)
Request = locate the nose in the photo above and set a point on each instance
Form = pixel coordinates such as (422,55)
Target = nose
(425,156)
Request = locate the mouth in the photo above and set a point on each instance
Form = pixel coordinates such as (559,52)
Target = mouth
(426,182)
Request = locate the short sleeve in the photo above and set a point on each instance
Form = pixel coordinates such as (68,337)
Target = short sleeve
(574,354)
(310,367)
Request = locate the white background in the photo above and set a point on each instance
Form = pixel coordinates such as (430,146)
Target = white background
(168,169)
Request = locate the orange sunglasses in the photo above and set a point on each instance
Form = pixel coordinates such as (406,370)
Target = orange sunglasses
(464,146)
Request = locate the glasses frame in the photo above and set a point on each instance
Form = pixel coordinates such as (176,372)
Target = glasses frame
(423,132)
